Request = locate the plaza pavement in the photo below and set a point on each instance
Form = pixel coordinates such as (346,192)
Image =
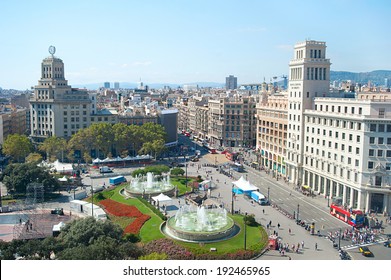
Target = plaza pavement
(221,193)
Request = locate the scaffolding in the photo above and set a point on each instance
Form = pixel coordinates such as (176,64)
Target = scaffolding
(31,214)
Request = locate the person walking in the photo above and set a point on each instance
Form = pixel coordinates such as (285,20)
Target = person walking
(316,246)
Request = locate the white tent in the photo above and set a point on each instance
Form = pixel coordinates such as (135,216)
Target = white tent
(58,226)
(97,160)
(244,185)
(63,179)
(161,198)
(62,167)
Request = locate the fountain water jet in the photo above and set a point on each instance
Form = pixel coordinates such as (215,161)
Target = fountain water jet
(149,185)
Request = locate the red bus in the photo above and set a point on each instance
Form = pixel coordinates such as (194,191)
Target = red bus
(354,218)
(231,155)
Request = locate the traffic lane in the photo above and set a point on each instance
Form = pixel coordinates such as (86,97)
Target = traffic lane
(289,199)
(379,252)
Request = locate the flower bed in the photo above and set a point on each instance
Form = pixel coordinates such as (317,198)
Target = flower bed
(120,210)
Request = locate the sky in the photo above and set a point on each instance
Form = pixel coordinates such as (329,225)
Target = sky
(181,42)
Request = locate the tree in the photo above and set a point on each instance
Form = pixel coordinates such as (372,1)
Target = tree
(84,232)
(17,176)
(17,146)
(34,158)
(54,148)
(177,171)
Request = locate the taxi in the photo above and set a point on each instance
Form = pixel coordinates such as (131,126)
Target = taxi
(387,244)
(365,251)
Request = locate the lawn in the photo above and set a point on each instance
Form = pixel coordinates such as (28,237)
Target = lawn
(256,237)
(180,183)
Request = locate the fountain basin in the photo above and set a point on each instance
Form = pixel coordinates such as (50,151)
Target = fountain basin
(150,186)
(201,225)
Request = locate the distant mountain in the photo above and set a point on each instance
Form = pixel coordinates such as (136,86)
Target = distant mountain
(377,77)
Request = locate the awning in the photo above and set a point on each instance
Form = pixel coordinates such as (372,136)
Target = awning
(161,198)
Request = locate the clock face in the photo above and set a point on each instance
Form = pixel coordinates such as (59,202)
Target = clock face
(52,50)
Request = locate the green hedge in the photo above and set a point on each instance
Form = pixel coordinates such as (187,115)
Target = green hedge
(154,210)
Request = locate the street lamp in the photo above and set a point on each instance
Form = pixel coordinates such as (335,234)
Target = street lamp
(232,199)
(268,193)
(92,197)
(339,239)
(245,230)
(298,208)
(1,199)
(186,170)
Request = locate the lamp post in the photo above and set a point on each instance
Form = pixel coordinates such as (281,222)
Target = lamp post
(186,169)
(1,198)
(298,209)
(232,199)
(339,239)
(268,193)
(245,230)
(92,197)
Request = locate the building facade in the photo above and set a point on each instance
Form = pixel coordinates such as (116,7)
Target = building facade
(231,82)
(272,129)
(232,121)
(338,144)
(13,121)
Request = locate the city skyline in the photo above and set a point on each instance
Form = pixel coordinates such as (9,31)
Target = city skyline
(182,42)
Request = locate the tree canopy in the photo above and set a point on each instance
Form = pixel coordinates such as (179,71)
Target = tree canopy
(17,146)
(54,147)
(17,176)
(81,239)
(120,138)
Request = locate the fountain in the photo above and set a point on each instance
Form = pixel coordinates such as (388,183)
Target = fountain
(149,185)
(198,224)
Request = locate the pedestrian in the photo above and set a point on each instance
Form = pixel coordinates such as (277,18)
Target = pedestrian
(290,230)
(302,244)
(278,225)
(263,211)
(316,246)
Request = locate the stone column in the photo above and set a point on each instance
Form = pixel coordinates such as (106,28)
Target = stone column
(367,201)
(343,194)
(351,197)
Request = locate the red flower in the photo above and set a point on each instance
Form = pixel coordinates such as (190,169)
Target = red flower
(122,210)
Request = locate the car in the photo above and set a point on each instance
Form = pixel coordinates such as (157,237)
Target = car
(364,250)
(387,244)
(264,201)
(57,211)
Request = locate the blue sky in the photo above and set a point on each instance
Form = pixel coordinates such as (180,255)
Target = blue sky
(186,41)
